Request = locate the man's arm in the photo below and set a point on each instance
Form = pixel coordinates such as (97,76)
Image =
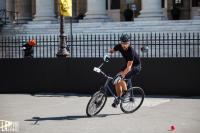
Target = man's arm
(111,50)
(128,68)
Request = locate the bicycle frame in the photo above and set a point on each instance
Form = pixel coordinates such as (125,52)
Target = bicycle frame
(106,85)
(127,97)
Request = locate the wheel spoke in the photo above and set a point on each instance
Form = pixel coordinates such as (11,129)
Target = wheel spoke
(133,100)
(96,103)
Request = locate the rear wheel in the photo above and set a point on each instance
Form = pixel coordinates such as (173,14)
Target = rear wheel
(96,103)
(132,100)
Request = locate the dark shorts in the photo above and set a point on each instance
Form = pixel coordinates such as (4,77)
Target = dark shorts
(131,75)
(136,70)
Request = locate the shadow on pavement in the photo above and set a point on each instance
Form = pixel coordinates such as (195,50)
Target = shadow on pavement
(72,117)
(58,95)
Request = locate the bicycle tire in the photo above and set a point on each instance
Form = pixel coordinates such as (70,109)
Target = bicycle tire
(94,100)
(133,94)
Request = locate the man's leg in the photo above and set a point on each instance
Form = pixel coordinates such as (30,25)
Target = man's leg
(118,89)
(131,75)
(123,85)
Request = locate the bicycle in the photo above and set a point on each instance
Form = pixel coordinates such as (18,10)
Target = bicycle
(133,97)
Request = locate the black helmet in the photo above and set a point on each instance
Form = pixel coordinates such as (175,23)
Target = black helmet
(124,38)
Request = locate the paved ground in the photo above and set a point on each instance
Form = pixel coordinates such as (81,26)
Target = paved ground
(66,114)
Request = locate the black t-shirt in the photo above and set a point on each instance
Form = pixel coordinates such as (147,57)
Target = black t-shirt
(129,55)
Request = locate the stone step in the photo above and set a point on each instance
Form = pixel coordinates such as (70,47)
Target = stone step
(108,27)
(109,24)
(105,30)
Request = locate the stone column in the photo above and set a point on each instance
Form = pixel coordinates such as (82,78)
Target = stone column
(45,10)
(10,5)
(96,11)
(151,10)
(195,11)
(24,8)
(2,4)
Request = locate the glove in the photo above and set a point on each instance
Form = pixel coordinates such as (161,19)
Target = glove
(117,78)
(106,57)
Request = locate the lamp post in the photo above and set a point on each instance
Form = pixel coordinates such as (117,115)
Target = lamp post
(62,52)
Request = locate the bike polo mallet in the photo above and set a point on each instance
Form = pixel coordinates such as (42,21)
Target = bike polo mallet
(106,58)
(118,77)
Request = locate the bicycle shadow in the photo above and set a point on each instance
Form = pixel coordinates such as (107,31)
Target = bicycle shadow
(58,95)
(36,120)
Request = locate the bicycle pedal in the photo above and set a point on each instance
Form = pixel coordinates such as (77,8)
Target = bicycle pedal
(114,105)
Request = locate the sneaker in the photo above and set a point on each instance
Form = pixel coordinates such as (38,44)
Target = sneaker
(125,94)
(115,103)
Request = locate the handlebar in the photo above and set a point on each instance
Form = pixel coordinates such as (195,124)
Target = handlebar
(98,70)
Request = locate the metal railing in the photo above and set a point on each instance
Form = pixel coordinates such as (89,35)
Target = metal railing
(166,45)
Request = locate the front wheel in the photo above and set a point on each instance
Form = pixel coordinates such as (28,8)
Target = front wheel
(132,100)
(96,103)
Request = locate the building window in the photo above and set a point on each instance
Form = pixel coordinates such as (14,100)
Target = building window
(106,4)
(195,3)
(163,3)
(115,4)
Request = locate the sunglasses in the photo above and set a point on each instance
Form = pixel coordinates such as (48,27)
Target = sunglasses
(125,43)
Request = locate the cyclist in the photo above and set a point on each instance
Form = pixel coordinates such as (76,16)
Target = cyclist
(131,67)
(28,48)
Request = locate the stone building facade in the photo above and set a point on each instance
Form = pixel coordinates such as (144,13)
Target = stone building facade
(100,10)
